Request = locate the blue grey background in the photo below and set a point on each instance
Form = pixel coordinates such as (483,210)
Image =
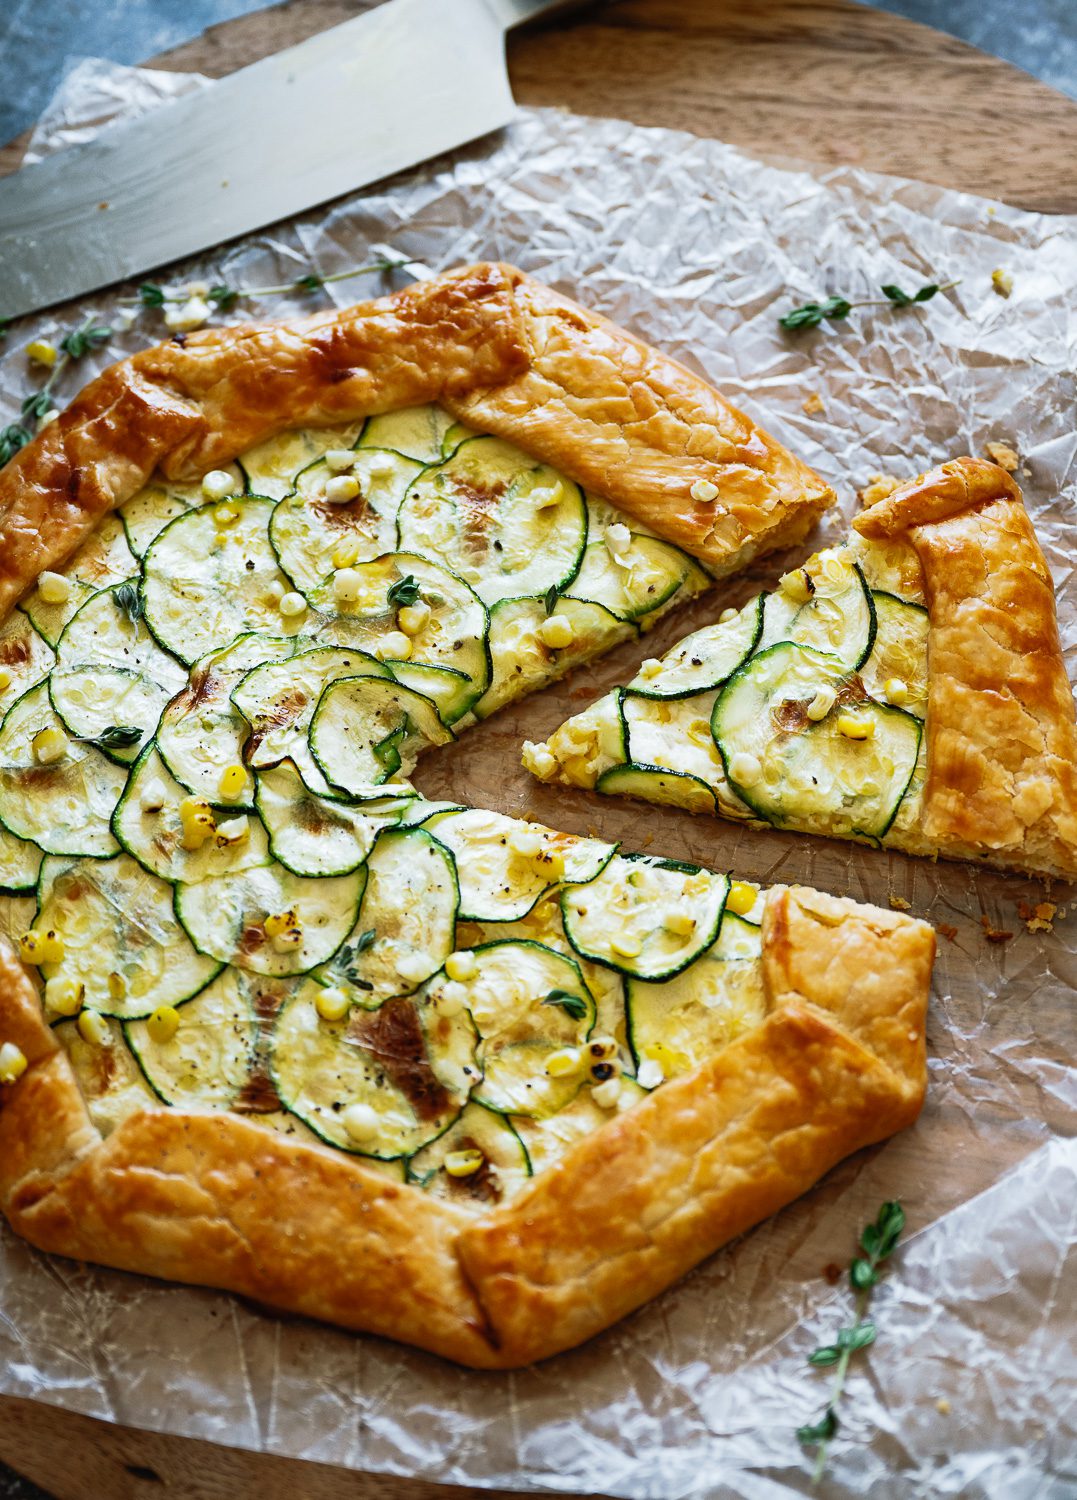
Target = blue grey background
(39,38)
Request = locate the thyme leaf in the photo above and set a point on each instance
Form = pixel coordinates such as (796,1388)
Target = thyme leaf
(127,598)
(81,340)
(115,737)
(551,597)
(571,1004)
(878,1241)
(404,591)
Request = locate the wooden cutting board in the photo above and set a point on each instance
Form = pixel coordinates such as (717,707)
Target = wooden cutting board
(823,80)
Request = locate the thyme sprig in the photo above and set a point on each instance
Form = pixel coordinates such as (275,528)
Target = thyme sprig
(404,592)
(115,737)
(73,346)
(571,1004)
(878,1241)
(834,309)
(222,296)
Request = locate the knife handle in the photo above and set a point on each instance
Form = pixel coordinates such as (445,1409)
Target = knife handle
(513,13)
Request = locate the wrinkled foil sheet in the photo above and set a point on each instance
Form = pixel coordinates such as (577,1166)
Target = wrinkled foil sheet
(699,248)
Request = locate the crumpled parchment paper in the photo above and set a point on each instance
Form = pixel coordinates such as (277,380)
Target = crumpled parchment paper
(699,248)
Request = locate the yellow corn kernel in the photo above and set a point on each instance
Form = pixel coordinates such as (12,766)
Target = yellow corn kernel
(64,996)
(5,678)
(347,553)
(54,588)
(741,898)
(895,690)
(234,831)
(461,965)
(332,1004)
(626,945)
(225,515)
(288,941)
(556,632)
(463,1163)
(853,727)
(280,922)
(292,605)
(196,830)
(13,1063)
(395,646)
(341,489)
(347,586)
(565,1062)
(93,1028)
(233,783)
(413,618)
(681,923)
(704,490)
(41,947)
(117,986)
(451,999)
(824,700)
(49,746)
(797,585)
(543,497)
(360,1121)
(41,352)
(339,460)
(607,1093)
(192,807)
(555,864)
(217,484)
(727,615)
(163,1024)
(744,768)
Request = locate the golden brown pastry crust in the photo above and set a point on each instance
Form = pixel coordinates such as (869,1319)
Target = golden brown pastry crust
(211,1199)
(485,341)
(1002,746)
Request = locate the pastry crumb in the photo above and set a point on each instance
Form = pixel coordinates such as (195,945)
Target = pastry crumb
(878,487)
(994,934)
(832,1272)
(1002,282)
(898,903)
(947,931)
(942,1406)
(1038,918)
(1002,454)
(812,404)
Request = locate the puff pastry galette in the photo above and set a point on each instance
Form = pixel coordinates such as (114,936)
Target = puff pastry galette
(272,1022)
(905,689)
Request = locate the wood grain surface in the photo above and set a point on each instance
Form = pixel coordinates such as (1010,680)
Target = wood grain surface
(824,80)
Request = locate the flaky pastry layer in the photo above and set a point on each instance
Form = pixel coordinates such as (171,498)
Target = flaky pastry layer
(488,343)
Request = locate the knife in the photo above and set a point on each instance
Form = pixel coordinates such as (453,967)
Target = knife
(384,91)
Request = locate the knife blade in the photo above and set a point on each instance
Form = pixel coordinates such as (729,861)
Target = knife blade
(353,104)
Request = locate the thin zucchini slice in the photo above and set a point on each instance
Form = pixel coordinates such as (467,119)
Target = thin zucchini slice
(225,917)
(527,1002)
(705,659)
(451,692)
(121,937)
(307,529)
(25,658)
(205,584)
(108,633)
(366,729)
(64,807)
(272,467)
(838,618)
(147,514)
(503,1166)
(507,525)
(20,862)
(90,700)
(419,432)
(148,825)
(456,623)
(103,560)
(680,1023)
(639,580)
(548,1139)
(674,734)
(900,651)
(663,787)
(504,865)
(419,811)
(522,662)
(201,733)
(811,775)
(278,701)
(646,917)
(207,1062)
(109,1079)
(312,835)
(410,1067)
(407,920)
